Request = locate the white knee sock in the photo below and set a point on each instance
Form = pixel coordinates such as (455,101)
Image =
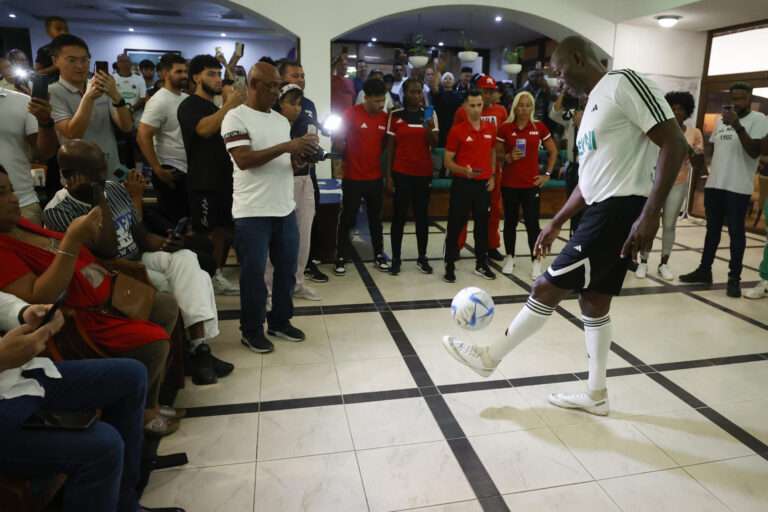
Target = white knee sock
(527,322)
(598,334)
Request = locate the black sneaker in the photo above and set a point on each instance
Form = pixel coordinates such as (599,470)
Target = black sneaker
(339,269)
(494,254)
(697,276)
(288,332)
(450,273)
(424,266)
(314,274)
(734,288)
(259,344)
(203,372)
(485,272)
(222,368)
(381,263)
(394,268)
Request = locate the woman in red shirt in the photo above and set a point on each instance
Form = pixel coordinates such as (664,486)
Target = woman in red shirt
(519,139)
(38,265)
(410,138)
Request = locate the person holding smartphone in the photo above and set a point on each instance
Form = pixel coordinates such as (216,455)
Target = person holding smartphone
(736,141)
(470,157)
(411,135)
(519,140)
(86,109)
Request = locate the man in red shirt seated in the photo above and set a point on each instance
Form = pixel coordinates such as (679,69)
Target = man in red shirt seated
(470,158)
(361,140)
(495,114)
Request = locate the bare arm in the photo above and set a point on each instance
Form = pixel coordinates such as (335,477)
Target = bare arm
(45,142)
(750,145)
(246,158)
(551,148)
(145,139)
(453,167)
(75,126)
(211,125)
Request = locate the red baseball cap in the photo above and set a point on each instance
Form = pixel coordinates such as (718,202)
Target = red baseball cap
(486,82)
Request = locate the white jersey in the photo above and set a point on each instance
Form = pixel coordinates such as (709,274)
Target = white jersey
(616,157)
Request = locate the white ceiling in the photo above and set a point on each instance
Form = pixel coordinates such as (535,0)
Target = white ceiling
(711,14)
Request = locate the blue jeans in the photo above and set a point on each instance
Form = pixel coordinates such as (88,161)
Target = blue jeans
(102,462)
(255,239)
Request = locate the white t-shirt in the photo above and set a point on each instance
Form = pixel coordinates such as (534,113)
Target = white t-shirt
(132,88)
(732,169)
(16,125)
(265,191)
(616,157)
(160,113)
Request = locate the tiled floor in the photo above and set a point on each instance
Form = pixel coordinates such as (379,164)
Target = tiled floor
(370,414)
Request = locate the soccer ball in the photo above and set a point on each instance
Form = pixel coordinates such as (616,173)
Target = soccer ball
(472,308)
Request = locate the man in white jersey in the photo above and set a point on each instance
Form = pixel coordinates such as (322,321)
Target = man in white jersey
(626,117)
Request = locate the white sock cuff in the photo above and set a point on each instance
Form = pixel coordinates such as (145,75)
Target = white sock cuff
(539,308)
(595,323)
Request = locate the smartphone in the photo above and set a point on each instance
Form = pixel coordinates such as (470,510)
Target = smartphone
(218,50)
(63,420)
(40,87)
(101,65)
(181,227)
(54,308)
(520,144)
(239,48)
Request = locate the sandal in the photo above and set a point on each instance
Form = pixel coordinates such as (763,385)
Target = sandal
(160,426)
(174,413)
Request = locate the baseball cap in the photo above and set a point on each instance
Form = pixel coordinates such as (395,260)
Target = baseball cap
(486,82)
(288,88)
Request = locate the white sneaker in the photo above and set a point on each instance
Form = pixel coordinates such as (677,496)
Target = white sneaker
(665,272)
(305,292)
(537,268)
(474,357)
(642,270)
(509,265)
(580,401)
(223,286)
(758,292)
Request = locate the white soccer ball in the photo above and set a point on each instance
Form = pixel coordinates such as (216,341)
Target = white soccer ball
(472,308)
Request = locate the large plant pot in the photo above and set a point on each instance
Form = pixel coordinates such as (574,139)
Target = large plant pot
(468,56)
(418,61)
(512,69)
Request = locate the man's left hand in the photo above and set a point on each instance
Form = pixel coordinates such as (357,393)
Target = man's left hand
(640,236)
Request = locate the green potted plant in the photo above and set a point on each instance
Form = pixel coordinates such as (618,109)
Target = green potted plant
(469,54)
(512,58)
(418,55)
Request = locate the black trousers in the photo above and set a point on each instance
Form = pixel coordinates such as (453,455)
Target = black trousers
(722,207)
(353,192)
(513,199)
(410,191)
(173,203)
(467,196)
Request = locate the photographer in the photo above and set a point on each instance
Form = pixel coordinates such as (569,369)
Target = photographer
(736,140)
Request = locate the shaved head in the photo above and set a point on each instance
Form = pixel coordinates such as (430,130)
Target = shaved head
(263,86)
(82,157)
(576,62)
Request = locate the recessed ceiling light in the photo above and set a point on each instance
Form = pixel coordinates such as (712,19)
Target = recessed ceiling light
(668,20)
(223,34)
(441,43)
(130,29)
(374,39)
(11,15)
(498,19)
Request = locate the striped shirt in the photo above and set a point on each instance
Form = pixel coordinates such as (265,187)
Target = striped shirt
(616,157)
(63,209)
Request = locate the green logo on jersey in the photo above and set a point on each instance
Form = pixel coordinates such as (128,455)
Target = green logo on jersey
(587,142)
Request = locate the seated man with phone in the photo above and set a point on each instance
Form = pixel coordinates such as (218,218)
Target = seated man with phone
(171,267)
(48,422)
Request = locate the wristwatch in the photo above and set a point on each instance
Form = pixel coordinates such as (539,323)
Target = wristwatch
(548,174)
(120,103)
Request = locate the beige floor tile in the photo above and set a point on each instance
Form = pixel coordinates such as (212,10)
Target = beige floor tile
(662,491)
(216,489)
(392,422)
(323,482)
(374,375)
(404,477)
(724,384)
(755,309)
(527,460)
(309,380)
(214,440)
(588,497)
(241,386)
(301,432)
(492,411)
(359,336)
(462,506)
(316,349)
(752,416)
(739,483)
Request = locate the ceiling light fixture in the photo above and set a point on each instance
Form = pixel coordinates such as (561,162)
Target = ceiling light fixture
(498,19)
(668,20)
(11,15)
(130,29)
(441,43)
(223,34)
(374,39)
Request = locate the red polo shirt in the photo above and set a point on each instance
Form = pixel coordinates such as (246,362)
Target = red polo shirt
(473,148)
(412,152)
(522,173)
(364,134)
(495,114)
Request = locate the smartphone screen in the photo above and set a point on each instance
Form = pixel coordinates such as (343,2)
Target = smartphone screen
(239,49)
(40,87)
(101,65)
